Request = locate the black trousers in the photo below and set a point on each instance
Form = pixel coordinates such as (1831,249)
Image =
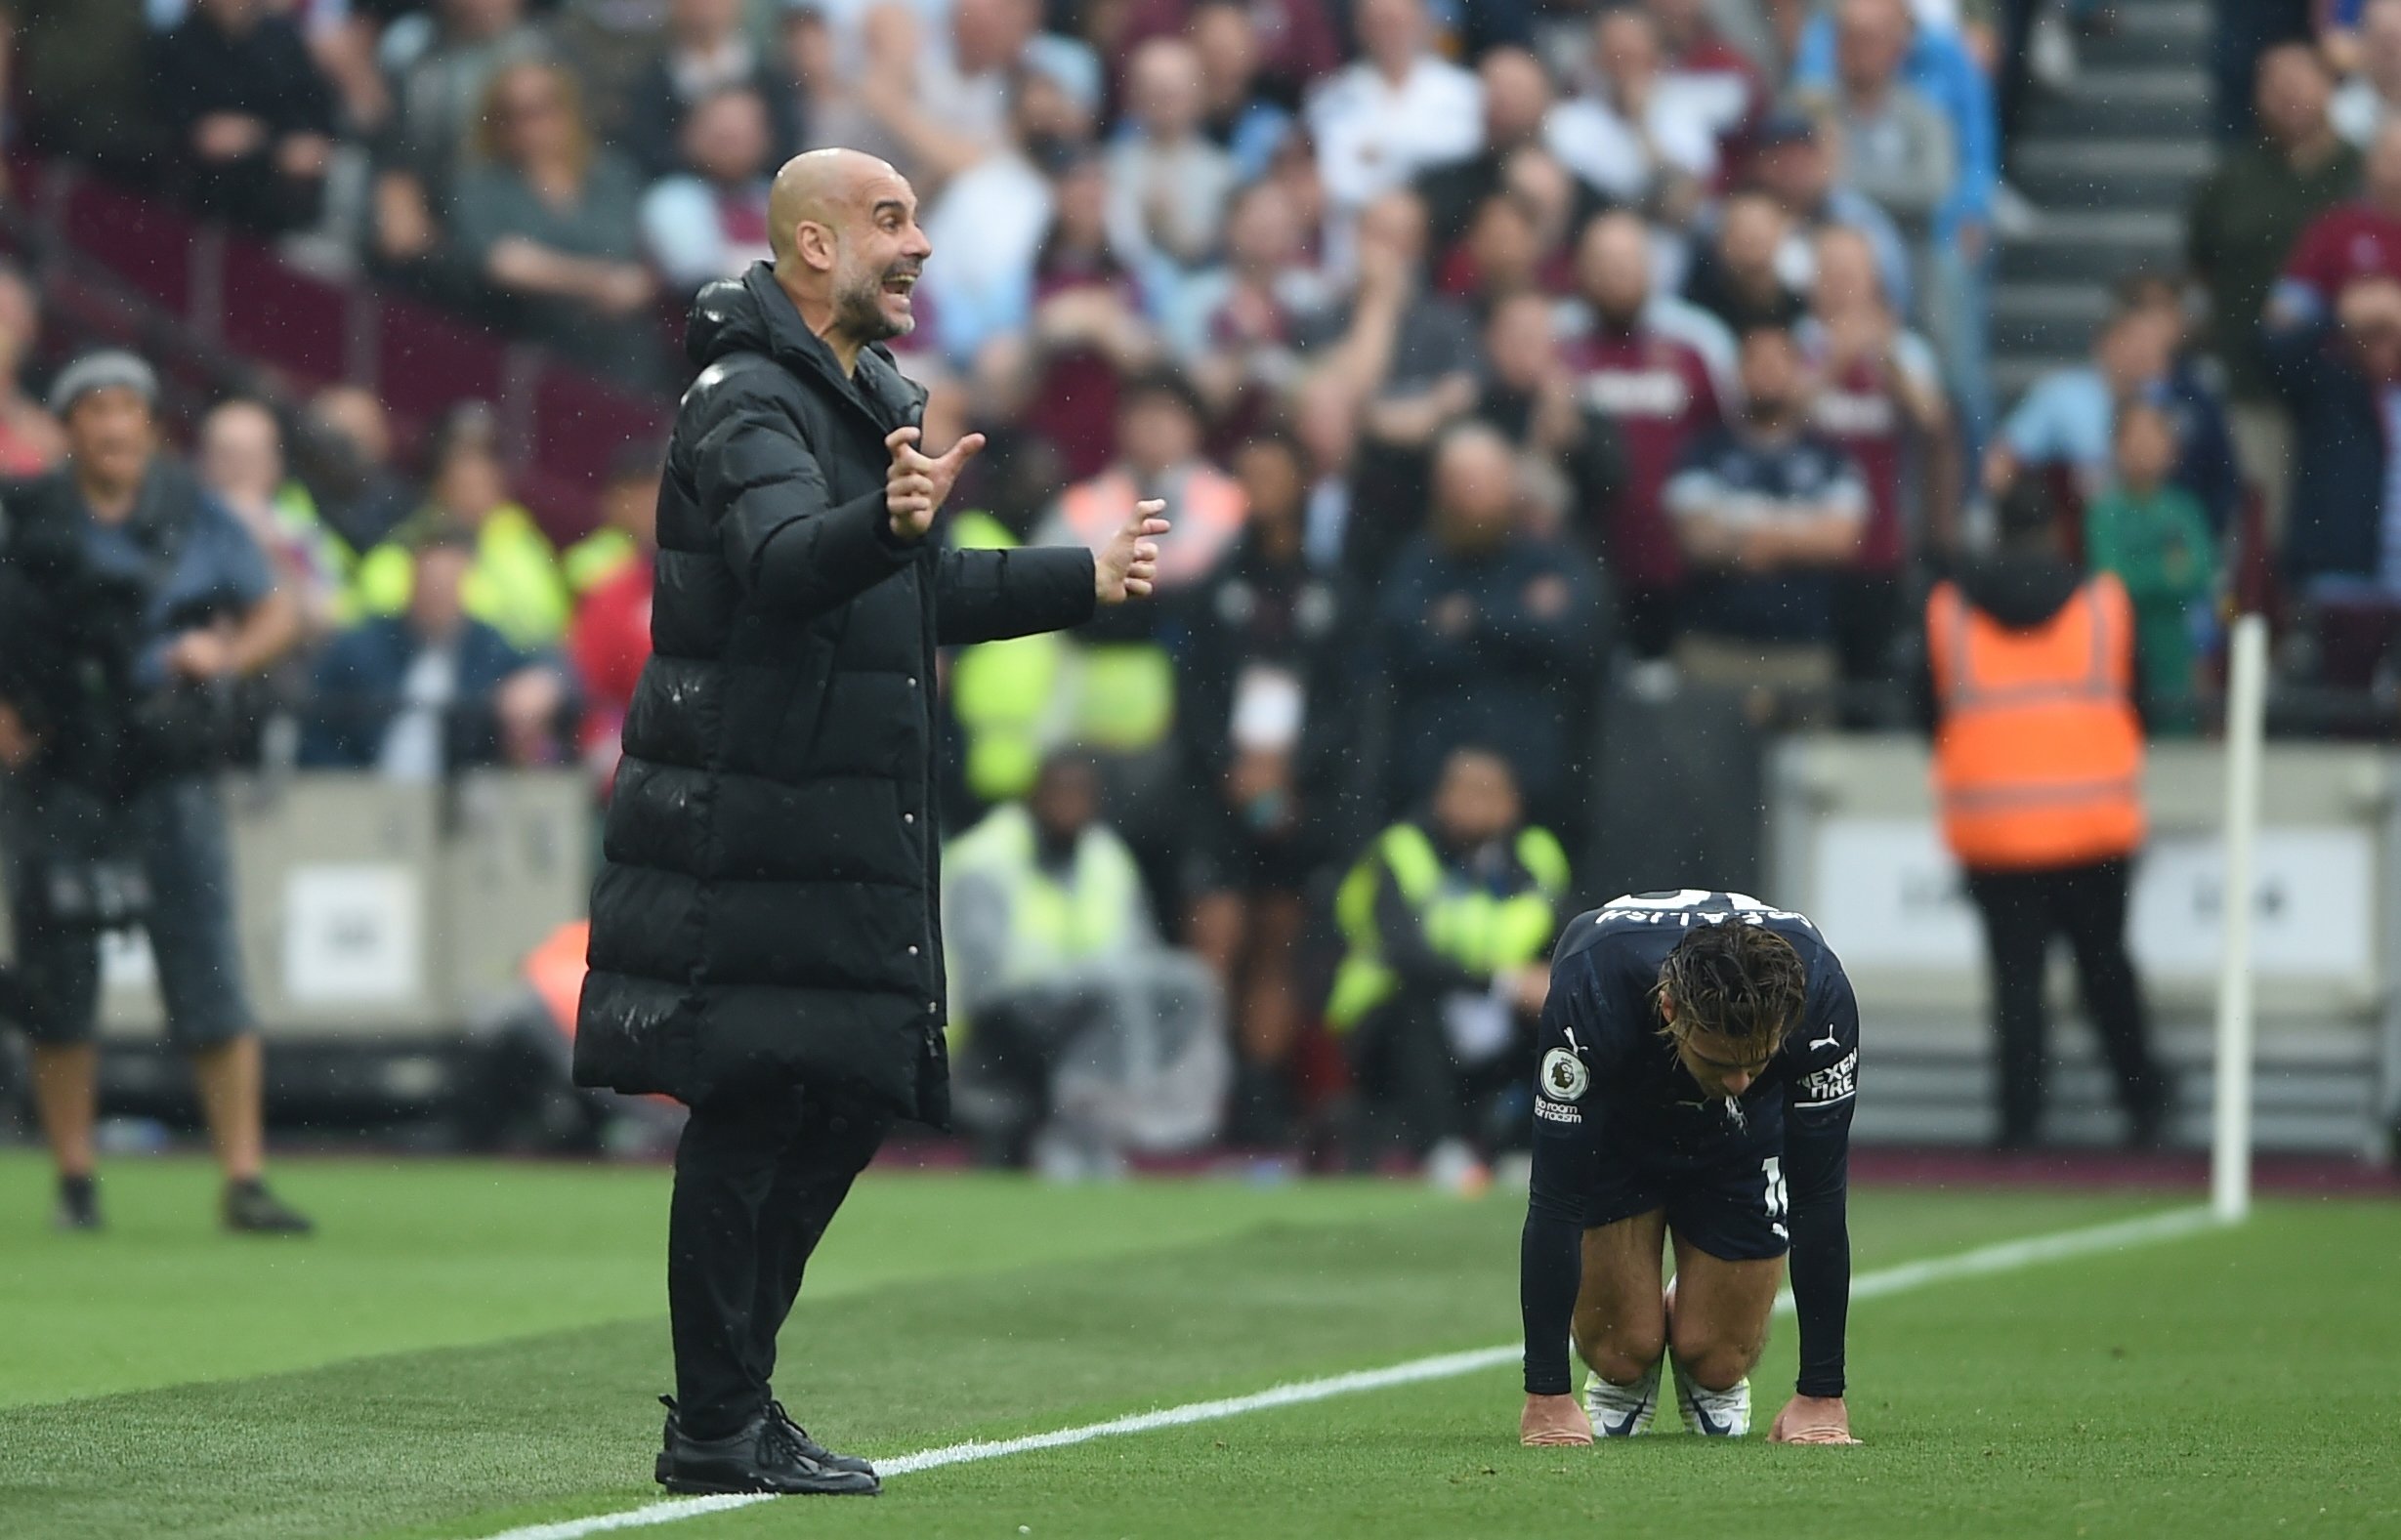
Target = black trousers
(2023,910)
(1414,1090)
(758,1177)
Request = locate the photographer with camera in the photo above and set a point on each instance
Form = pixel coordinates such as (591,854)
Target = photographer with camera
(133,606)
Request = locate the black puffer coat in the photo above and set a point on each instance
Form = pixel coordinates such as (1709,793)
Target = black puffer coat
(766,909)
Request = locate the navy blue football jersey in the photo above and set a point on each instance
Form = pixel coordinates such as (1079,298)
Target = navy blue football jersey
(1608,1078)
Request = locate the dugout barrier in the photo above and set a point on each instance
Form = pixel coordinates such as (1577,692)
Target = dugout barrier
(379,924)
(1851,838)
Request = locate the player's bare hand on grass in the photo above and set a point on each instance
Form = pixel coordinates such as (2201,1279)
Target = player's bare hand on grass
(1128,565)
(1812,1418)
(918,483)
(1553,1421)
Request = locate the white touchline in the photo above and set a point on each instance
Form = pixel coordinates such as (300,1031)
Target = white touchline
(2005,1257)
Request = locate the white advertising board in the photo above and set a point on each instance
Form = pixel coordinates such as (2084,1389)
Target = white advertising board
(1888,896)
(352,934)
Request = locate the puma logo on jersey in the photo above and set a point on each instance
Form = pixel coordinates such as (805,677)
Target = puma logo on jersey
(1832,1039)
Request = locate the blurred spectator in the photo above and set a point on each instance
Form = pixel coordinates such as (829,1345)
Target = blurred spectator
(551,221)
(1517,100)
(1265,705)
(1640,133)
(1936,64)
(1325,421)
(1236,112)
(30,439)
(1897,150)
(1159,438)
(1448,918)
(2206,463)
(707,50)
(240,459)
(1792,165)
(945,101)
(1528,393)
(2067,421)
(1409,358)
(1394,113)
(609,639)
(441,62)
(1234,327)
(1880,398)
(514,585)
(1121,705)
(2340,377)
(2253,207)
(2353,241)
(627,532)
(1168,183)
(1487,631)
(1079,1035)
(1296,41)
(251,117)
(991,222)
(1088,329)
(1520,236)
(1955,304)
(2371,98)
(1739,276)
(1650,364)
(419,695)
(1767,510)
(1699,53)
(709,219)
(345,458)
(2152,534)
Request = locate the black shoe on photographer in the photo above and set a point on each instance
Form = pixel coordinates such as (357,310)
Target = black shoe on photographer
(79,1205)
(763,1457)
(251,1210)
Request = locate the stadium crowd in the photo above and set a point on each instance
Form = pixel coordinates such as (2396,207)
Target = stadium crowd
(1480,348)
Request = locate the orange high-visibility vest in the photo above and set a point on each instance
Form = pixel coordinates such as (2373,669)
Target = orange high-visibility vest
(1208,513)
(2038,753)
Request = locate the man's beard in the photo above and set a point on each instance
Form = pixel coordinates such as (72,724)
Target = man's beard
(858,310)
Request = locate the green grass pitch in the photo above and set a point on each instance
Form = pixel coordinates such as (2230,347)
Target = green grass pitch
(471,1346)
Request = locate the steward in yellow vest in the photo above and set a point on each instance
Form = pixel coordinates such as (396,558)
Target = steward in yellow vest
(1448,922)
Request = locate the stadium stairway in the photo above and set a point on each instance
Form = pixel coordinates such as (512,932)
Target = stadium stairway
(2110,162)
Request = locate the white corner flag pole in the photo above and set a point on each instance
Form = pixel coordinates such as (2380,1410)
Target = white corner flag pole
(2246,724)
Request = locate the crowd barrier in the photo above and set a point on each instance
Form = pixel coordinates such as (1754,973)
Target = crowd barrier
(376,912)
(393,917)
(1852,840)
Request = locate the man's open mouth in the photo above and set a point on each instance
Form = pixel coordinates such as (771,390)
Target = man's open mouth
(900,283)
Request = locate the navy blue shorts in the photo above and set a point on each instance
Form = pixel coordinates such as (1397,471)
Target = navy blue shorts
(1732,1211)
(180,830)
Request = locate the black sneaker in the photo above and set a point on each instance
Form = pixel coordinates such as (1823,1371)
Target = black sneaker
(764,1457)
(251,1210)
(79,1205)
(815,1450)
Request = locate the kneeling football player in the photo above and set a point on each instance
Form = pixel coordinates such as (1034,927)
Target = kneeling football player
(1699,1061)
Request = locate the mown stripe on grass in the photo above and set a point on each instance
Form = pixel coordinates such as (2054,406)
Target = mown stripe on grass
(2008,1256)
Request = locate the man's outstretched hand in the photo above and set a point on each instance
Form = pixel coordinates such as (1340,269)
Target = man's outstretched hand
(1812,1418)
(916,483)
(1553,1421)
(1128,565)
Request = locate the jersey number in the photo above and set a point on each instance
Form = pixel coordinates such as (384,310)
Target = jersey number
(1772,1168)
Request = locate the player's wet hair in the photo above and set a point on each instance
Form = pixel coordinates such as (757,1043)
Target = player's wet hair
(1740,983)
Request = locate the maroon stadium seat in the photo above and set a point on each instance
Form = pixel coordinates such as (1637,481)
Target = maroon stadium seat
(282,316)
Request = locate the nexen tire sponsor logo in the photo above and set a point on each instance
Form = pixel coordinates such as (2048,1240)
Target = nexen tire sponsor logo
(1835,1081)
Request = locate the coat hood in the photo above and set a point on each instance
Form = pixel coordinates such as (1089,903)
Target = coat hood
(2020,591)
(752,313)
